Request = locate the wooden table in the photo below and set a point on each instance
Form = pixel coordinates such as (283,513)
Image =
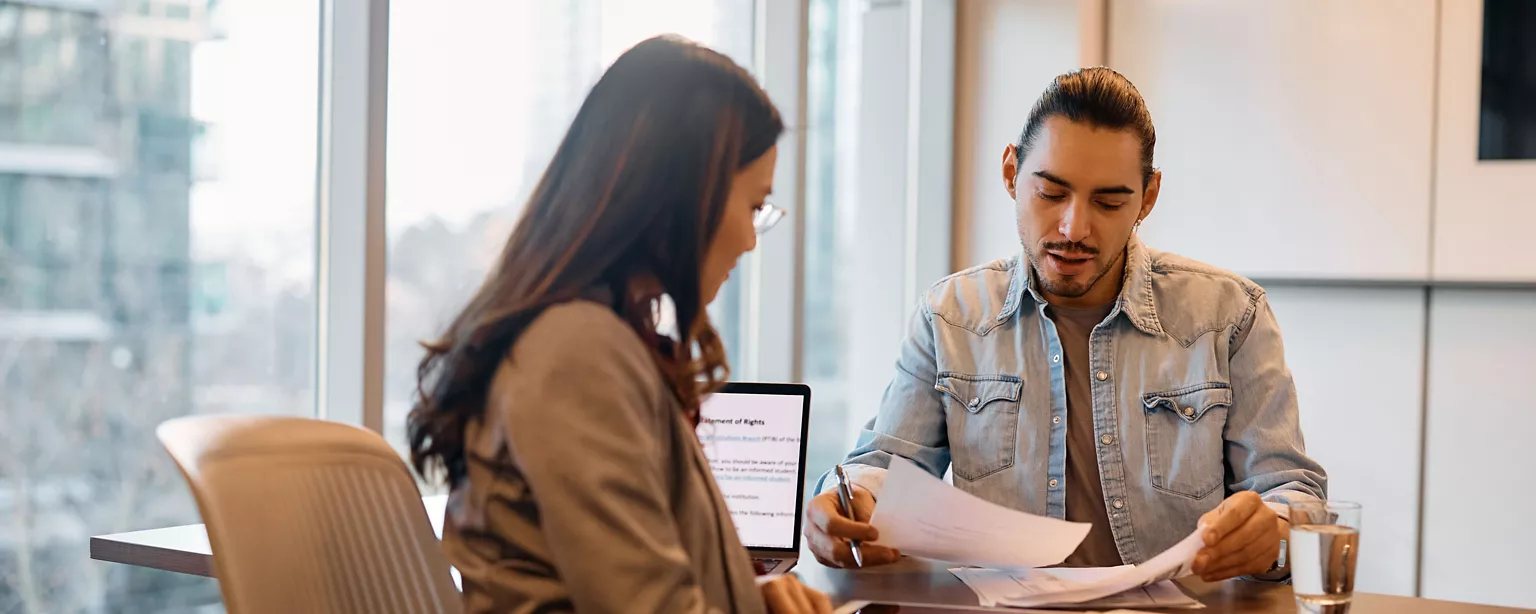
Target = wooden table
(919,586)
(927,587)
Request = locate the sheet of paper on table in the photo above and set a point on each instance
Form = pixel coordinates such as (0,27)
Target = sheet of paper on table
(855,607)
(920,515)
(995,588)
(1149,584)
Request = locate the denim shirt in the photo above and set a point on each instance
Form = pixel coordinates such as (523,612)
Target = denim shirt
(1192,400)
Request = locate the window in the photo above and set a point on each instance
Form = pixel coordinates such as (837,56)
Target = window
(826,339)
(157,259)
(160,162)
(877,199)
(476,109)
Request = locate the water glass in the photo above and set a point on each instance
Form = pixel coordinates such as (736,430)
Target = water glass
(1323,549)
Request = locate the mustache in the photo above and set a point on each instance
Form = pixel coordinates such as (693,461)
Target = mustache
(1071,247)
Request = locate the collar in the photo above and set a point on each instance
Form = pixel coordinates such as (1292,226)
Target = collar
(1135,300)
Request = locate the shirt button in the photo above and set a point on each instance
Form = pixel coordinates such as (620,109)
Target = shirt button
(1189,411)
(1102,376)
(1056,420)
(1053,482)
(1056,358)
(1119,504)
(1107,440)
(975,402)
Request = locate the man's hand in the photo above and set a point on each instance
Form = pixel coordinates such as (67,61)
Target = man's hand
(828,531)
(1242,537)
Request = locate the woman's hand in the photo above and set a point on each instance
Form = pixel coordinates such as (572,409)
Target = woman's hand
(787,595)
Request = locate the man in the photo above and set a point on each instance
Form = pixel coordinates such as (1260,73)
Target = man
(1092,378)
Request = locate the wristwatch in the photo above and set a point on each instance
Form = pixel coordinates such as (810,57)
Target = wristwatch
(1279,561)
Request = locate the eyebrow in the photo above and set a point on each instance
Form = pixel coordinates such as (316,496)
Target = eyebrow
(1118,189)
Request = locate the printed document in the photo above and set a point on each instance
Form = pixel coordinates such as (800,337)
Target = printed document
(1146,585)
(920,515)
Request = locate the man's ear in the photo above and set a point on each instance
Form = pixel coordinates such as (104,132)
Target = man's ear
(1149,197)
(1010,171)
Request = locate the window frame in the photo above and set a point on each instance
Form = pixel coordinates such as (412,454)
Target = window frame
(351,238)
(769,347)
(351,258)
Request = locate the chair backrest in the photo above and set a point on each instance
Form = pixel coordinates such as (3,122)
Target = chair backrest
(310,516)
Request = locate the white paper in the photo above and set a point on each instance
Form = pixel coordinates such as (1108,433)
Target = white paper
(852,607)
(1163,594)
(1172,563)
(920,515)
(1080,575)
(990,585)
(996,587)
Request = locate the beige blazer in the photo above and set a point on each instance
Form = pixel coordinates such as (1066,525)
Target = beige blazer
(587,490)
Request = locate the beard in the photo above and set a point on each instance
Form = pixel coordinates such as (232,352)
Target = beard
(1073,287)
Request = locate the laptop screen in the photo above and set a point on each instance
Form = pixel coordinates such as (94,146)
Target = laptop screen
(754,445)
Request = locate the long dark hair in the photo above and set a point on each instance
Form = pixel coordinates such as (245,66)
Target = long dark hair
(630,203)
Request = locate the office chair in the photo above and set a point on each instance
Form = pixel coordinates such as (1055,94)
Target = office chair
(310,516)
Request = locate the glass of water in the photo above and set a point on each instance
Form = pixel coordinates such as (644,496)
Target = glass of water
(1323,548)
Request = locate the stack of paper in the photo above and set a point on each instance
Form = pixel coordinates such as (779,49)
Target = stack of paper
(994,588)
(921,515)
(1096,587)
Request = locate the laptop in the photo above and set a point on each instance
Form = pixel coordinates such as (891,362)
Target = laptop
(755,438)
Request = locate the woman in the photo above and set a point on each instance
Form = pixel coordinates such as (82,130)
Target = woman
(565,423)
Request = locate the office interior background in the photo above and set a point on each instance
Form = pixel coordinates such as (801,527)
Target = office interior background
(261,206)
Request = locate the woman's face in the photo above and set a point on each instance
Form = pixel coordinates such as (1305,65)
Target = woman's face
(736,236)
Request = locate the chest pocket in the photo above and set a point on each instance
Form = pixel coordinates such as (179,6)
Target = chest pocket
(983,421)
(1184,438)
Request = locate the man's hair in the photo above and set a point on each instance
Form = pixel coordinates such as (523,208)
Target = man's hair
(1097,96)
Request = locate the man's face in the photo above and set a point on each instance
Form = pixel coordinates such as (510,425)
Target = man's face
(1078,194)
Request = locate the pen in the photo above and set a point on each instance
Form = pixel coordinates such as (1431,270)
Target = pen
(845,497)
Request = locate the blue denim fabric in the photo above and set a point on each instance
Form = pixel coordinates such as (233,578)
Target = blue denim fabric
(1192,400)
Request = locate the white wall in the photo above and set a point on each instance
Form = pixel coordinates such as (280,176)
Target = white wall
(1282,120)
(1006,52)
(1479,455)
(1302,150)
(1484,211)
(1357,355)
(1481,406)
(1328,150)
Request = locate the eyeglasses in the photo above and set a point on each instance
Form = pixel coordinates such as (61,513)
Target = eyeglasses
(766,216)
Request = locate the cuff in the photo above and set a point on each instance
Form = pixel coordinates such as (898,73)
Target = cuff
(1280,509)
(868,477)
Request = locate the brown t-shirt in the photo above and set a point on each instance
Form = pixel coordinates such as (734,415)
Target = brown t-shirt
(1085,495)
